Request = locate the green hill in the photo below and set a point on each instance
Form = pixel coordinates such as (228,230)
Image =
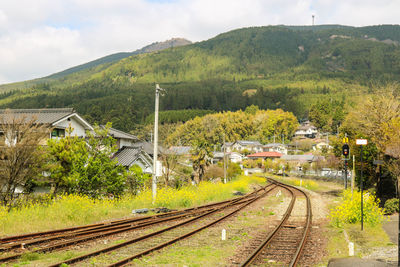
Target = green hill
(289,67)
(90,66)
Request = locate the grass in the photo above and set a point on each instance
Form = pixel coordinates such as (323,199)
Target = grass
(206,248)
(371,236)
(72,210)
(305,183)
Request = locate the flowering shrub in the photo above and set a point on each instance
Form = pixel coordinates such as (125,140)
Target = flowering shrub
(349,211)
(391,205)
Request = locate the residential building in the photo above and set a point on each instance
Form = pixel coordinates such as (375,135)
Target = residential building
(128,156)
(184,152)
(243,145)
(58,119)
(276,147)
(307,130)
(122,139)
(231,156)
(322,145)
(265,155)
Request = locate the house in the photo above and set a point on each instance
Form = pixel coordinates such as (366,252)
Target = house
(307,130)
(185,152)
(322,145)
(122,139)
(276,147)
(128,156)
(300,158)
(243,145)
(232,156)
(265,155)
(58,119)
(130,150)
(227,146)
(181,150)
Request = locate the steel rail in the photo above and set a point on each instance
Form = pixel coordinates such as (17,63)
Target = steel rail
(107,232)
(305,233)
(72,231)
(134,240)
(270,237)
(127,260)
(14,238)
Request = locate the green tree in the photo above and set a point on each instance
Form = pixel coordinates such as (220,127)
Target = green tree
(86,167)
(66,159)
(201,157)
(136,179)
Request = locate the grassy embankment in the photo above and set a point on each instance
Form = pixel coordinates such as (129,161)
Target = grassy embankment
(72,210)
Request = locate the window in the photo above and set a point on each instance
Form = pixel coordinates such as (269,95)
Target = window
(58,133)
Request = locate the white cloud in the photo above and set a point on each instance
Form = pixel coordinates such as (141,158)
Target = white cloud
(40,37)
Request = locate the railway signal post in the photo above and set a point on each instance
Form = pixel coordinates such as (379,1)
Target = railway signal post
(345,152)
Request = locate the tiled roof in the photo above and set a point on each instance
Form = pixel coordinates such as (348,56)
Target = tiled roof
(272,154)
(249,143)
(45,116)
(299,157)
(148,147)
(127,155)
(120,134)
(274,145)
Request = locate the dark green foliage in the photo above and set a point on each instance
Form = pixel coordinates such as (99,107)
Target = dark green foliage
(86,166)
(173,116)
(391,206)
(327,114)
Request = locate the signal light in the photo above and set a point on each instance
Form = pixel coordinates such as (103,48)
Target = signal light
(345,150)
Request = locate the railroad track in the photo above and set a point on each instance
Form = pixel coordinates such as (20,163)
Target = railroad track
(284,245)
(63,238)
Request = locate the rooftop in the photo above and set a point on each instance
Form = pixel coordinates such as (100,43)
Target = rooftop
(120,134)
(43,116)
(127,155)
(248,143)
(269,154)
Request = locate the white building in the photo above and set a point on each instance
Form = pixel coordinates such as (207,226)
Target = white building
(58,119)
(306,129)
(242,145)
(276,147)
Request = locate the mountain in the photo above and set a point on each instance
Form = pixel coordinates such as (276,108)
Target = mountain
(288,67)
(105,61)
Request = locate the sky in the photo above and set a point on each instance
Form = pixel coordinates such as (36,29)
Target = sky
(41,37)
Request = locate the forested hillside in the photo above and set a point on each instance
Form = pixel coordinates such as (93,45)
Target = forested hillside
(288,67)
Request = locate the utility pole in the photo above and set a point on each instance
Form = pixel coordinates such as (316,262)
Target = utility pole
(353,175)
(224,159)
(155,144)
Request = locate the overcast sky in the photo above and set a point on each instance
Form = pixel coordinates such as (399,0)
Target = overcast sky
(41,37)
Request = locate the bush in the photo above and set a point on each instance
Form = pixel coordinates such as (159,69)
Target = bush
(214,171)
(349,211)
(391,206)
